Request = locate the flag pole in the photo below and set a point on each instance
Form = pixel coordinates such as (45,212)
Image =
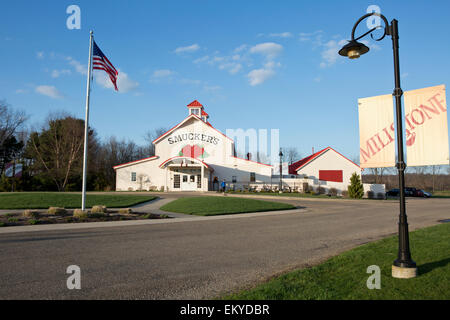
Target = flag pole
(86,123)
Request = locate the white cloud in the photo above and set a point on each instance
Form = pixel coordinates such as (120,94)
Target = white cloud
(269,49)
(202,59)
(240,48)
(281,35)
(124,82)
(49,91)
(57,73)
(258,76)
(211,88)
(330,52)
(21,91)
(188,49)
(163,73)
(40,55)
(80,68)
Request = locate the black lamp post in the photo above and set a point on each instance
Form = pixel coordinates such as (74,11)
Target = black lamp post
(281,171)
(404,266)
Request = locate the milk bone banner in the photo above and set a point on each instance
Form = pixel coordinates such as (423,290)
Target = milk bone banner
(425,126)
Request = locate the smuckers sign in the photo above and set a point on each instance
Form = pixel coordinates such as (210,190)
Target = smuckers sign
(425,127)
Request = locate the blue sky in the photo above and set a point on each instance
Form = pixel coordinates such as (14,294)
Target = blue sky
(253,64)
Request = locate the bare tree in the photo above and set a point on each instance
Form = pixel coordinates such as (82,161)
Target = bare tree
(10,121)
(291,155)
(149,137)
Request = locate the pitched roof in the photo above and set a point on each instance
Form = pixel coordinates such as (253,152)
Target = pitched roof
(193,116)
(204,113)
(194,103)
(293,168)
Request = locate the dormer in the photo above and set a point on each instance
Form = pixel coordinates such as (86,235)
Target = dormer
(197,109)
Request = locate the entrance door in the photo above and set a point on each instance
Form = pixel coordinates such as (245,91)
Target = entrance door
(188,182)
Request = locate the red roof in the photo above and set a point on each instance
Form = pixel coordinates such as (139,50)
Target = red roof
(293,167)
(204,113)
(194,103)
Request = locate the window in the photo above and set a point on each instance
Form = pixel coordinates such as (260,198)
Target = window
(184,178)
(176,181)
(192,179)
(252,177)
(234,179)
(199,181)
(195,111)
(133,176)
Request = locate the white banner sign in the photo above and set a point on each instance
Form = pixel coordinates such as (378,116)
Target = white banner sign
(426,127)
(376,132)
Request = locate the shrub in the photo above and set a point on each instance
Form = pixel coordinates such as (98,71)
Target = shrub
(78,213)
(68,219)
(355,189)
(320,190)
(99,209)
(57,211)
(147,216)
(125,211)
(344,194)
(162,189)
(2,224)
(13,220)
(30,214)
(163,216)
(333,192)
(34,221)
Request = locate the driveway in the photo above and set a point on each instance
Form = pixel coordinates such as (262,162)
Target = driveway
(197,259)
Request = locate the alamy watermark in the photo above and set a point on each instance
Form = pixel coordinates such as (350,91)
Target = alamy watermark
(374,281)
(74,280)
(74,20)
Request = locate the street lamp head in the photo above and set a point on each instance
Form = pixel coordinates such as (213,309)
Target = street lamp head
(353,49)
(280,154)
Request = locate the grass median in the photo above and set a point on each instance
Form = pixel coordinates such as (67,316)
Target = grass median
(44,200)
(211,205)
(344,277)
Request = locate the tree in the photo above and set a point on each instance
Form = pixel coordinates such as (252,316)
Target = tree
(290,155)
(151,135)
(57,150)
(10,123)
(355,189)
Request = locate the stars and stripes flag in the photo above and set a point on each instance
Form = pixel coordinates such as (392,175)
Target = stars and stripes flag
(101,62)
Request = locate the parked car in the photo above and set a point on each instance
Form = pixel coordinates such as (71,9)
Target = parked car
(393,193)
(424,194)
(409,192)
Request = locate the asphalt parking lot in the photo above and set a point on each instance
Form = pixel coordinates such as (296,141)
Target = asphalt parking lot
(197,259)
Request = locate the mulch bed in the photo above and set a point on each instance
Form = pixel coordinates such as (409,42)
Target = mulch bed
(17,219)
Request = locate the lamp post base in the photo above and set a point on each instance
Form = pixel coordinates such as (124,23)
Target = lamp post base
(403,273)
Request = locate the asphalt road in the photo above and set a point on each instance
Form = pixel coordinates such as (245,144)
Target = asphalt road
(197,259)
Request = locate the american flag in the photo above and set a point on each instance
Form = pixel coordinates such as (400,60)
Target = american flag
(101,62)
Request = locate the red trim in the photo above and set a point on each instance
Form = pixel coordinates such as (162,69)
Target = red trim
(123,164)
(184,157)
(265,164)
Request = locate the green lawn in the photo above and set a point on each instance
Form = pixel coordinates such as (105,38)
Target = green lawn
(44,200)
(344,276)
(209,206)
(441,194)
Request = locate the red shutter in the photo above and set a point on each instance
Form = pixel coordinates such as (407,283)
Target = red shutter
(331,175)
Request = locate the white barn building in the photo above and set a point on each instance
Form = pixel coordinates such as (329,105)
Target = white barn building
(194,156)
